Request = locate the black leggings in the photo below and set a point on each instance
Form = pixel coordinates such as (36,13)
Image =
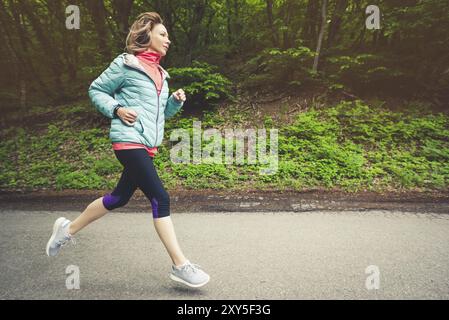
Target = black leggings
(139,172)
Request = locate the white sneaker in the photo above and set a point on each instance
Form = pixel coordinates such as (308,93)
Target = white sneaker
(189,274)
(59,237)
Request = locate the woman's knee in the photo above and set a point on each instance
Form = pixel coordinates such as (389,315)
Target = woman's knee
(160,204)
(112,202)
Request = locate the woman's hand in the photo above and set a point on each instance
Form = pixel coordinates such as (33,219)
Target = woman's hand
(179,95)
(128,116)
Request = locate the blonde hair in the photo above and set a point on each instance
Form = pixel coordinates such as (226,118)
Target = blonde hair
(139,38)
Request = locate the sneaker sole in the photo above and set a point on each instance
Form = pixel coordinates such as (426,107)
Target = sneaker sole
(58,222)
(175,278)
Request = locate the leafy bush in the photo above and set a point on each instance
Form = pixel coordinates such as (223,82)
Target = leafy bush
(366,73)
(273,67)
(202,83)
(350,145)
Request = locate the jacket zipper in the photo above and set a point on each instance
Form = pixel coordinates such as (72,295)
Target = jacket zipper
(157,116)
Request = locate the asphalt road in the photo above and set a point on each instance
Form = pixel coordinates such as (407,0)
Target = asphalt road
(282,255)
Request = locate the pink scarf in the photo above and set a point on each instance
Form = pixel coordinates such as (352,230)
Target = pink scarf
(150,61)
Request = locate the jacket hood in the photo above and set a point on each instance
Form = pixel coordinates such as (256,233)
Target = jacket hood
(132,61)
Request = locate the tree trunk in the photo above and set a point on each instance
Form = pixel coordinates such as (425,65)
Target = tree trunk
(199,9)
(358,42)
(122,10)
(228,22)
(98,14)
(70,50)
(271,26)
(13,26)
(320,37)
(54,61)
(207,39)
(336,20)
(237,24)
(287,13)
(309,27)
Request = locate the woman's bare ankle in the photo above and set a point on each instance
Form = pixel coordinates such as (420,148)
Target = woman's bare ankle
(181,262)
(71,230)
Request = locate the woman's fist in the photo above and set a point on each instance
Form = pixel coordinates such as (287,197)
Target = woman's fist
(179,95)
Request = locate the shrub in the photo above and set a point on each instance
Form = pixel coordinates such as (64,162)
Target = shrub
(273,67)
(202,83)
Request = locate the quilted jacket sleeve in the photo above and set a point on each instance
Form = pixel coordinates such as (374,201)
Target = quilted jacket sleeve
(173,106)
(102,89)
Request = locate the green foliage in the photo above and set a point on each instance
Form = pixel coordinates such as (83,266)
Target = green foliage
(349,145)
(263,43)
(280,69)
(62,157)
(365,73)
(202,83)
(79,180)
(76,108)
(352,145)
(205,175)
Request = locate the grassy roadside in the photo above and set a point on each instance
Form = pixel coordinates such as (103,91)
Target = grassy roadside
(350,146)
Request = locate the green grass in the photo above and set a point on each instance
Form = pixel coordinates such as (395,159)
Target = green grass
(351,146)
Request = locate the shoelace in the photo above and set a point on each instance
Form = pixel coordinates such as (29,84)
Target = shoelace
(192,266)
(63,242)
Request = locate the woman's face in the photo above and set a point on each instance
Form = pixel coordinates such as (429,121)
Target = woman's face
(159,39)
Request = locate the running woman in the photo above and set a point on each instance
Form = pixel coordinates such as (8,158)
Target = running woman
(133,93)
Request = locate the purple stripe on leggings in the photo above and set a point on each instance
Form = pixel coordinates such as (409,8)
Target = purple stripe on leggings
(110,200)
(155,206)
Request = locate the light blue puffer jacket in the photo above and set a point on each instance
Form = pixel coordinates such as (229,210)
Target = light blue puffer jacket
(126,82)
